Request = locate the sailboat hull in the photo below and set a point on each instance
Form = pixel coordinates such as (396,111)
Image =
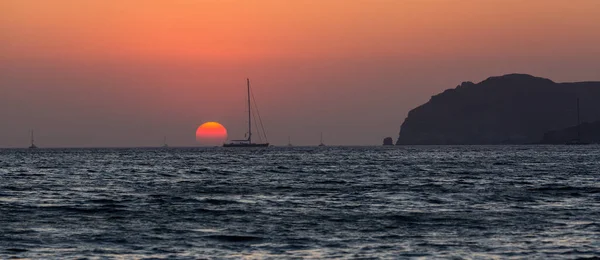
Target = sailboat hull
(246,145)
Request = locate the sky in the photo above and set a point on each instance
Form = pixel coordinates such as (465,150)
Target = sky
(122,73)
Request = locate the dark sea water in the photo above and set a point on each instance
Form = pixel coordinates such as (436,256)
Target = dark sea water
(472,202)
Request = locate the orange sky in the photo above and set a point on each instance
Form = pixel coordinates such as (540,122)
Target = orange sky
(237,31)
(350,67)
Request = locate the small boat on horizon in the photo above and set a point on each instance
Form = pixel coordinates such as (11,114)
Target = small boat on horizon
(248,142)
(578,140)
(165,145)
(322,144)
(32,146)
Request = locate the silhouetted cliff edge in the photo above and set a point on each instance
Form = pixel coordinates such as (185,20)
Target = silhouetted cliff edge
(510,109)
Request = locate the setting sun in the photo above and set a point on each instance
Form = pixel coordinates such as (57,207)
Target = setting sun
(211,133)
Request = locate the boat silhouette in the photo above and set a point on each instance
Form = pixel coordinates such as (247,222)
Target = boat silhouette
(322,144)
(32,146)
(165,145)
(578,140)
(248,142)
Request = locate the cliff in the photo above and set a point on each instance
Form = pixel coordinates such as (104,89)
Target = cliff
(510,109)
(586,133)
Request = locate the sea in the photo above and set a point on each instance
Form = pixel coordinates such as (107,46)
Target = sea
(399,202)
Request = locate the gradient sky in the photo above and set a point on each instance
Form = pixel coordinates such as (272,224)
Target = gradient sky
(127,72)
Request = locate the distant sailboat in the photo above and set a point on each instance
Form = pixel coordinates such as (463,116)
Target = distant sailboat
(165,145)
(248,142)
(289,142)
(578,140)
(32,142)
(322,144)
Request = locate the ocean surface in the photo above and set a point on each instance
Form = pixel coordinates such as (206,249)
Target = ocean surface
(430,202)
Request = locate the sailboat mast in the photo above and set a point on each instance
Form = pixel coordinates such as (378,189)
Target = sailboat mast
(249,113)
(31,137)
(578,122)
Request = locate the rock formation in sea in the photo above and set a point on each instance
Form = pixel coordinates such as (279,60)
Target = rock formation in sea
(585,133)
(388,141)
(509,109)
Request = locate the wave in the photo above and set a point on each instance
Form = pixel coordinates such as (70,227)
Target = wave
(566,189)
(16,250)
(86,210)
(218,201)
(234,238)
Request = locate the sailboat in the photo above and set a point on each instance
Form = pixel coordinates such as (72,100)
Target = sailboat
(322,144)
(32,143)
(165,145)
(578,140)
(289,142)
(248,142)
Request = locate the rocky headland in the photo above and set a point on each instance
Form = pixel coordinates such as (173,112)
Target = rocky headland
(509,109)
